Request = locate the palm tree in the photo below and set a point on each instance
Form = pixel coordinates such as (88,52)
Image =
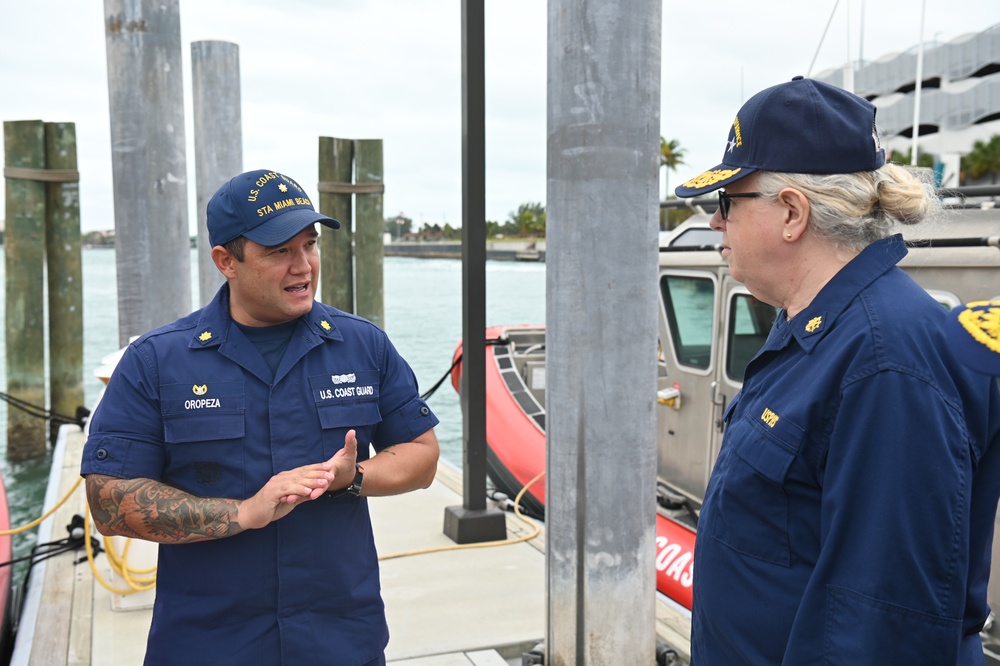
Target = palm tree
(983,159)
(671,156)
(529,220)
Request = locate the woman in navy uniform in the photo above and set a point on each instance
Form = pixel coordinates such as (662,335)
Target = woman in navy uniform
(849,515)
(238,438)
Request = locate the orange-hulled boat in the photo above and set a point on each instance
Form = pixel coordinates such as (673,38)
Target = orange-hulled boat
(515,440)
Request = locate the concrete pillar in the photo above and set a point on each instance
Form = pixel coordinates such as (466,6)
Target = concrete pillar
(218,140)
(145,87)
(601,316)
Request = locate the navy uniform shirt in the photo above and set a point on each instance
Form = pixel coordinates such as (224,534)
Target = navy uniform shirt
(194,405)
(849,517)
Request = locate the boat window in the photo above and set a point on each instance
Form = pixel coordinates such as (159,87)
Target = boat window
(696,237)
(689,302)
(947,299)
(749,324)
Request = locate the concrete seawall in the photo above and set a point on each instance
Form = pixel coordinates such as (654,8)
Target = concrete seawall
(497,250)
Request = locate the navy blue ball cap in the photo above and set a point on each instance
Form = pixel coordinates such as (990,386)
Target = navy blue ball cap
(265,206)
(974,335)
(803,126)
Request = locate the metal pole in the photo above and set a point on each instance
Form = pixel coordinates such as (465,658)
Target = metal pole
(917,92)
(148,163)
(473,522)
(601,316)
(218,140)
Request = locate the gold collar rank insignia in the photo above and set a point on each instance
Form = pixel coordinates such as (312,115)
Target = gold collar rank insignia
(325,324)
(199,390)
(206,336)
(814,324)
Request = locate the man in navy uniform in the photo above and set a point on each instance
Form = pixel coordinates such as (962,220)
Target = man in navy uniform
(238,438)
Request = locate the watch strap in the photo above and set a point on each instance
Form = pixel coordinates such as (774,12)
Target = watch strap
(355,486)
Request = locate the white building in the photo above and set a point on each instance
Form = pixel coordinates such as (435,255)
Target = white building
(959,96)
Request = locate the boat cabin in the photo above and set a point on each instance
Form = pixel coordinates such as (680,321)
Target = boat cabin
(711,327)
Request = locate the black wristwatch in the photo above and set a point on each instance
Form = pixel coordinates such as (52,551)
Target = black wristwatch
(354,488)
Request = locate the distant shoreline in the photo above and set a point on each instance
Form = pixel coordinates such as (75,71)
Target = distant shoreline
(495,250)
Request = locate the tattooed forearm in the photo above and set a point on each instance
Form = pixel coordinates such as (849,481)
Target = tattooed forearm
(148,509)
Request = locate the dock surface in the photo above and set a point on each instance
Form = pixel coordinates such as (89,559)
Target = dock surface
(464,606)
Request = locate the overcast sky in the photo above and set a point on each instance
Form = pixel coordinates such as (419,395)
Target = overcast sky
(391,69)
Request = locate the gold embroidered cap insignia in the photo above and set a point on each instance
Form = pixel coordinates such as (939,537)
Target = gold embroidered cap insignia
(711,177)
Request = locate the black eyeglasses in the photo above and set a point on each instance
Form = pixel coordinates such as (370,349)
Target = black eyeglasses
(725,201)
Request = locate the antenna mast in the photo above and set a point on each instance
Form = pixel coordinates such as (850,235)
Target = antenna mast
(916,92)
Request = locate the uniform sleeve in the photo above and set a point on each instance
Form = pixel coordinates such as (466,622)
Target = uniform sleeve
(125,437)
(405,415)
(985,492)
(890,583)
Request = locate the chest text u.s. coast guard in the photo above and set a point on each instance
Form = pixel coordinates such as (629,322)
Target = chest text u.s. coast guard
(345,391)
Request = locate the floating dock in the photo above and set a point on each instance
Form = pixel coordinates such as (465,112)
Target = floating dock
(453,606)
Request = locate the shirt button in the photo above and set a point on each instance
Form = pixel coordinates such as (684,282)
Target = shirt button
(425,410)
(102,454)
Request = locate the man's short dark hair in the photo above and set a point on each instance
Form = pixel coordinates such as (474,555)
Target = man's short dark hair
(235,247)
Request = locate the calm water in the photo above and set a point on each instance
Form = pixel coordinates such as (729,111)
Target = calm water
(423,302)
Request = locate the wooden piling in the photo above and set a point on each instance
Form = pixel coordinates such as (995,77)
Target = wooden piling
(336,260)
(24,257)
(65,275)
(369,227)
(218,140)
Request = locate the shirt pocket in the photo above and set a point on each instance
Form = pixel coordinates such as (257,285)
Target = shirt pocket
(860,629)
(203,430)
(345,401)
(751,503)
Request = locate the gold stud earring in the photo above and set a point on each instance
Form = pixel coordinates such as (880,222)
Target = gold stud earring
(788,235)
